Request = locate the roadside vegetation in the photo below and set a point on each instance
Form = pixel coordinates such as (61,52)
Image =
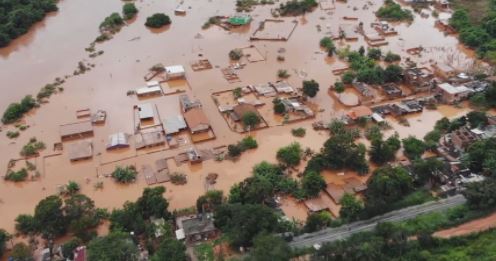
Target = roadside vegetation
(16,17)
(235,150)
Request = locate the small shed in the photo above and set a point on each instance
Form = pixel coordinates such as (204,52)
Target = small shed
(359,112)
(117,141)
(283,87)
(81,151)
(175,72)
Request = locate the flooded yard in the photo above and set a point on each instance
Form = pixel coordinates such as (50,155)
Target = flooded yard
(54,47)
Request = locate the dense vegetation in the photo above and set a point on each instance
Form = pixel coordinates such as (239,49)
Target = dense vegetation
(247,143)
(364,68)
(393,12)
(479,34)
(340,151)
(297,7)
(16,111)
(125,174)
(16,17)
(158,20)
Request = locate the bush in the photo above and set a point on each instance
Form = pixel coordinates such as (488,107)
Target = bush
(12,134)
(290,155)
(129,10)
(374,53)
(283,74)
(178,178)
(248,143)
(392,57)
(312,183)
(348,77)
(233,150)
(17,176)
(125,174)
(112,23)
(32,148)
(235,54)
(328,45)
(158,20)
(299,132)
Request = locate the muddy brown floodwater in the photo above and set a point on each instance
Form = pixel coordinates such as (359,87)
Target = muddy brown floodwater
(55,46)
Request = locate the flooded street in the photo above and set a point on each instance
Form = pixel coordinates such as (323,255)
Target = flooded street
(54,47)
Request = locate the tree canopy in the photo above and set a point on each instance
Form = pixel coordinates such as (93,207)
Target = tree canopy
(115,246)
(158,20)
(310,88)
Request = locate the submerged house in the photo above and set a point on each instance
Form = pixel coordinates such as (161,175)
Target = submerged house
(196,228)
(452,94)
(239,19)
(418,78)
(242,109)
(175,72)
(196,120)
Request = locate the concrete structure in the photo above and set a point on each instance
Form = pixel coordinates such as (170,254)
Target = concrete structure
(392,90)
(359,112)
(283,87)
(444,71)
(265,90)
(452,94)
(175,72)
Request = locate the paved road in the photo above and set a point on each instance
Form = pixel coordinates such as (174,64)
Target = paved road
(342,232)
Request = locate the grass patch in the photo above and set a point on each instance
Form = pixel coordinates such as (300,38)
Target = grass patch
(204,252)
(415,198)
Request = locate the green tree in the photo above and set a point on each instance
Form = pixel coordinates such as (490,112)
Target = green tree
(348,77)
(279,107)
(374,53)
(310,88)
(413,147)
(312,183)
(50,218)
(328,45)
(129,10)
(384,151)
(393,73)
(21,252)
(317,221)
(432,138)
(426,170)
(481,195)
(250,119)
(242,223)
(269,248)
(115,246)
(351,207)
(26,224)
(152,203)
(210,201)
(387,185)
(127,219)
(252,190)
(477,119)
(290,155)
(158,20)
(170,249)
(339,87)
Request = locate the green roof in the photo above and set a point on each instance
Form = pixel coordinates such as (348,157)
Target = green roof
(239,20)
